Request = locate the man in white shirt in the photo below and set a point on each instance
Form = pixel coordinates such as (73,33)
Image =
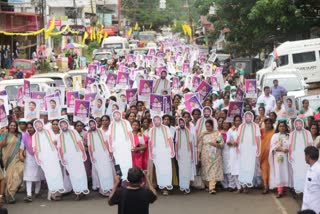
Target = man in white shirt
(268,99)
(311,193)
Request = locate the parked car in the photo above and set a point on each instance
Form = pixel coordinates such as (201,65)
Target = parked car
(292,81)
(60,79)
(36,84)
(27,66)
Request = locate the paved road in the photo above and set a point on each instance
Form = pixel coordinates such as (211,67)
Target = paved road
(195,203)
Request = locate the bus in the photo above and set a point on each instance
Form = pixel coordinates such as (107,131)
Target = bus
(147,36)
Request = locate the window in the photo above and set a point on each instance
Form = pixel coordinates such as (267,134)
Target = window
(284,60)
(304,57)
(12,91)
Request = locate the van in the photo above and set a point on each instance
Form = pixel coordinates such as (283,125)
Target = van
(117,43)
(292,81)
(11,86)
(60,79)
(303,55)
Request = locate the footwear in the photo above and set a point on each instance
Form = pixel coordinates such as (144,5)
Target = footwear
(27,199)
(212,192)
(165,193)
(279,195)
(77,197)
(230,189)
(238,191)
(55,198)
(265,191)
(1,202)
(245,190)
(11,201)
(38,195)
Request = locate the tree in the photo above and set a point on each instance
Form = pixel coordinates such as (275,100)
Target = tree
(146,12)
(257,25)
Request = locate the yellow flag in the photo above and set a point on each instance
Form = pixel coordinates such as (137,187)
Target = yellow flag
(51,27)
(94,33)
(130,31)
(175,24)
(85,36)
(136,26)
(151,25)
(91,33)
(189,31)
(184,28)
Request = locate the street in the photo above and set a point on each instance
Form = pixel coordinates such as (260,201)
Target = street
(196,202)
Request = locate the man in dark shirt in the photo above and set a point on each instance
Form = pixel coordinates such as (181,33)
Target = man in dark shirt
(135,198)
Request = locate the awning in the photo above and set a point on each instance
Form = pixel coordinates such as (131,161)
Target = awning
(19,21)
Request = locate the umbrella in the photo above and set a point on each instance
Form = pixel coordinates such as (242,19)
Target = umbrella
(73,45)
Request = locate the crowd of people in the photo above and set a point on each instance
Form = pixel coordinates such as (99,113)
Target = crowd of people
(200,147)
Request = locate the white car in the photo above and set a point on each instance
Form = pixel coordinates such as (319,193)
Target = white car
(151,45)
(60,79)
(291,81)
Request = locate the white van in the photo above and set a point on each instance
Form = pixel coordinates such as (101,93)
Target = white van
(290,80)
(117,43)
(11,86)
(60,79)
(303,55)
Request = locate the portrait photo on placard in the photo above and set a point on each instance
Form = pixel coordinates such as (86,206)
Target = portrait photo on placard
(71,99)
(99,107)
(203,89)
(235,108)
(145,89)
(81,111)
(251,88)
(40,96)
(111,80)
(122,80)
(290,106)
(54,108)
(31,109)
(3,117)
(192,103)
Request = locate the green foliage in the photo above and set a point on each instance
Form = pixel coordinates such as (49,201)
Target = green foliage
(256,24)
(57,41)
(88,51)
(146,12)
(45,66)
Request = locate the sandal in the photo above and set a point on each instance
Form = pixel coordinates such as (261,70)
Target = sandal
(27,199)
(245,190)
(279,195)
(265,191)
(11,201)
(165,193)
(212,192)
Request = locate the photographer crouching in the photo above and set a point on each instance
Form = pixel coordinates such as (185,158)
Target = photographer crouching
(135,198)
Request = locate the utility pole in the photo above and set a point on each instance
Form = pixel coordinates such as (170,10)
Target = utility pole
(76,12)
(43,21)
(119,16)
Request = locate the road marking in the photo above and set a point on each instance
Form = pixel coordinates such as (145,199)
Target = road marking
(282,209)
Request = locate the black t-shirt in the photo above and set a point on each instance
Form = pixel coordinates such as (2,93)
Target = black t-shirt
(134,200)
